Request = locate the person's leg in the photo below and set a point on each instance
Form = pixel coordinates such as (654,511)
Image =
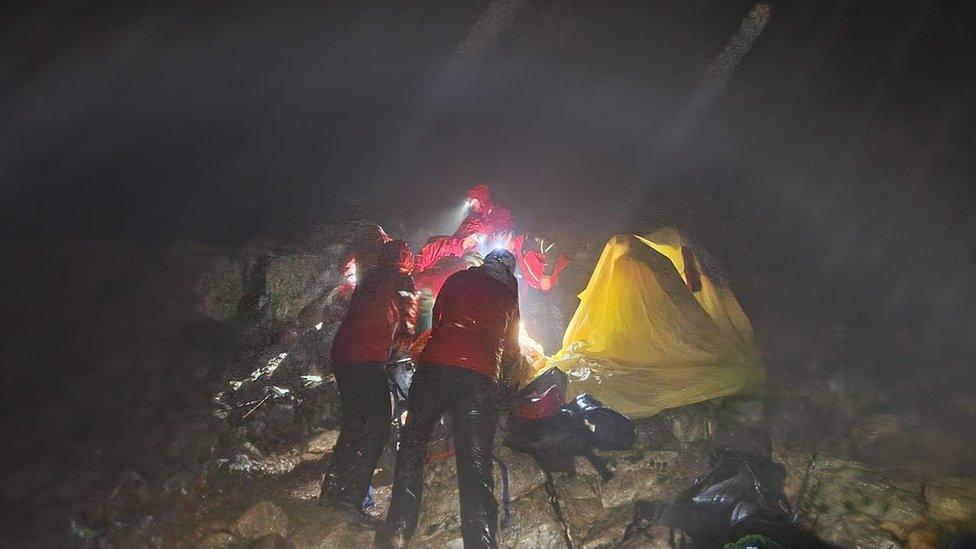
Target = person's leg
(473,415)
(365,428)
(424,408)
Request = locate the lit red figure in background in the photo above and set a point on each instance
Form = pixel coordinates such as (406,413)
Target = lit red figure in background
(483,220)
(532,254)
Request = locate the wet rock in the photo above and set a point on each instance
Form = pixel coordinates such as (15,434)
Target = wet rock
(533,523)
(217,540)
(582,507)
(608,531)
(656,536)
(131,491)
(861,534)
(261,519)
(746,412)
(693,423)
(650,475)
(183,482)
(322,528)
(924,539)
(797,462)
(439,523)
(258,463)
(850,503)
(271,541)
(290,283)
(523,473)
(221,286)
(321,443)
(953,501)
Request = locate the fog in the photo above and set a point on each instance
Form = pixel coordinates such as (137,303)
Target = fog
(832,152)
(821,152)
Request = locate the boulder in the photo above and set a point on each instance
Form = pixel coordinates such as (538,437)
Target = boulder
(321,444)
(271,541)
(609,530)
(323,528)
(290,282)
(220,287)
(953,501)
(261,519)
(533,524)
(694,423)
(650,475)
(217,540)
(924,539)
(851,504)
(523,473)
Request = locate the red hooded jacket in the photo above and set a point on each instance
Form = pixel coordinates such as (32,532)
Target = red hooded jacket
(382,312)
(476,323)
(491,220)
(534,265)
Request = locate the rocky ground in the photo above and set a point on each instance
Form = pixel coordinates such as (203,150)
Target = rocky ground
(866,464)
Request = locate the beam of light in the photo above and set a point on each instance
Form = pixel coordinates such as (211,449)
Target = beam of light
(529,346)
(718,73)
(739,45)
(488,30)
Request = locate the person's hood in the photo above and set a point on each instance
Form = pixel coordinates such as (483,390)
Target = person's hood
(397,254)
(481,194)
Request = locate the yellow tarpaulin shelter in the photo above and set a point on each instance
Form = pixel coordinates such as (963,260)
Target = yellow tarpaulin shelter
(655,330)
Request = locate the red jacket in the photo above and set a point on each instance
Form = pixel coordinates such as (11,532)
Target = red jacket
(475,324)
(382,313)
(534,264)
(436,248)
(435,277)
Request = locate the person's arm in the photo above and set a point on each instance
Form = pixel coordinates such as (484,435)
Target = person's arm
(436,248)
(407,307)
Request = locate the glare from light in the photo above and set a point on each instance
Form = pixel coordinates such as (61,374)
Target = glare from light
(526,341)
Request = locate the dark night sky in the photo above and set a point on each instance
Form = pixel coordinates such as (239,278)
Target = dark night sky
(842,142)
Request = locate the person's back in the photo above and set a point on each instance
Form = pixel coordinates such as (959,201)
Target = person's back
(473,342)
(375,315)
(473,317)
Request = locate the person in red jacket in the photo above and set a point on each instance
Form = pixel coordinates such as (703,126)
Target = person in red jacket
(473,344)
(483,221)
(484,216)
(381,317)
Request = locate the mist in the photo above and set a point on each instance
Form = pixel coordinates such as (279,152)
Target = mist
(822,152)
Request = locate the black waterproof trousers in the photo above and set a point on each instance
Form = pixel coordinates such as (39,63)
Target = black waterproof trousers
(469,398)
(365,428)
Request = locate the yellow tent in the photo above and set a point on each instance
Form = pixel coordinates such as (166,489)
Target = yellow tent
(655,330)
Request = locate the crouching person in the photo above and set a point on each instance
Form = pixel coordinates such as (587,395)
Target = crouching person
(381,316)
(473,343)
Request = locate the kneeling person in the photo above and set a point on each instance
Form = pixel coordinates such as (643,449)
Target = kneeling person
(381,315)
(473,343)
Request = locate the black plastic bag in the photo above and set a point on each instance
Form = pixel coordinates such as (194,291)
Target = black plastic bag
(608,429)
